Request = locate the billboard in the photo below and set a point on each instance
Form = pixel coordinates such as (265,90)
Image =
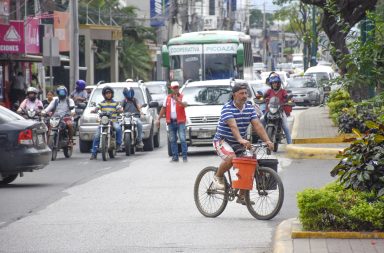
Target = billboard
(61,26)
(12,38)
(32,41)
(4,11)
(159,12)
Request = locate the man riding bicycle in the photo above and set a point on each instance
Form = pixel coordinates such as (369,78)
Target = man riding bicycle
(231,132)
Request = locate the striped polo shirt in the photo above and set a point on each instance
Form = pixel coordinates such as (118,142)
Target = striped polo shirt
(243,119)
(109,106)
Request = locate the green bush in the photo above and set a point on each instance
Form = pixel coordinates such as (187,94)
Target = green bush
(336,208)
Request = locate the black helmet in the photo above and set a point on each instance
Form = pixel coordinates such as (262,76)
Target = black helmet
(106,89)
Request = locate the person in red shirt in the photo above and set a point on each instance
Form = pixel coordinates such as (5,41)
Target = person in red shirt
(174,110)
(277,91)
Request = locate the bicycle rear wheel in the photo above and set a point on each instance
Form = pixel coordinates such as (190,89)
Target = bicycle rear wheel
(209,201)
(267,194)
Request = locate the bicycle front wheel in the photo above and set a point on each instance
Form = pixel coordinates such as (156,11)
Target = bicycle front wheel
(209,201)
(266,198)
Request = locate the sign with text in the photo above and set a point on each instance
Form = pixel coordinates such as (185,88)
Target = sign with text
(159,12)
(210,23)
(225,48)
(12,38)
(185,49)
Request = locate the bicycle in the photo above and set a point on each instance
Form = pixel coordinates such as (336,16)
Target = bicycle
(263,201)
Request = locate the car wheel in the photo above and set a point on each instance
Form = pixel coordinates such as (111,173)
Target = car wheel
(85,146)
(8,179)
(148,143)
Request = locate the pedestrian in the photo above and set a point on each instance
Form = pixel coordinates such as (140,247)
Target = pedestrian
(19,87)
(174,110)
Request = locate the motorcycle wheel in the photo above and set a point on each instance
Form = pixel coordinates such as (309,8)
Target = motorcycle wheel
(112,153)
(51,145)
(272,136)
(68,151)
(127,144)
(104,148)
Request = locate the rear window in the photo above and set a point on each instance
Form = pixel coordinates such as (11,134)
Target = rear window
(7,115)
(118,96)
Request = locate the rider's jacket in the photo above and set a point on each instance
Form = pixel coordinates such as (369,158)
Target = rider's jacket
(109,106)
(282,94)
(131,106)
(180,110)
(61,107)
(28,104)
(82,94)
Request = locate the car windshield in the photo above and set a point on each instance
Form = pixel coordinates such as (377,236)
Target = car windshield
(156,89)
(201,95)
(301,83)
(97,97)
(319,76)
(7,115)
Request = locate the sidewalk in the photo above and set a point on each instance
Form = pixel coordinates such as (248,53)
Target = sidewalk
(314,136)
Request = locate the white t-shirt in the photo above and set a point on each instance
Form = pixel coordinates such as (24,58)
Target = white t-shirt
(173,107)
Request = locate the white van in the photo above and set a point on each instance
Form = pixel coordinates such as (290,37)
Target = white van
(321,73)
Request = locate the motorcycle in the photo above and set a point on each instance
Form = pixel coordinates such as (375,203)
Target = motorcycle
(129,129)
(59,137)
(273,119)
(107,144)
(79,109)
(35,115)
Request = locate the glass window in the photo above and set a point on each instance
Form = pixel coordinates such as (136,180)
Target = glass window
(7,115)
(186,67)
(219,66)
(301,83)
(200,95)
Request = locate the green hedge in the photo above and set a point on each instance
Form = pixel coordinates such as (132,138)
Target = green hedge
(336,208)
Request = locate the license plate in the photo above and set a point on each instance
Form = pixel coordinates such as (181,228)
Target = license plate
(40,139)
(298,99)
(204,135)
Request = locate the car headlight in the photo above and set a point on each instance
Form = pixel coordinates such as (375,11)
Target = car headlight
(273,110)
(54,122)
(104,120)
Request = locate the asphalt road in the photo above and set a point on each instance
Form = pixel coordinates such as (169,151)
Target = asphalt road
(142,203)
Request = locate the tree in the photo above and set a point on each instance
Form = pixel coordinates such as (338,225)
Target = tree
(256,18)
(339,16)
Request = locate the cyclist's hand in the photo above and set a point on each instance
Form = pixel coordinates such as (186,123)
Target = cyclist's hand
(270,145)
(245,143)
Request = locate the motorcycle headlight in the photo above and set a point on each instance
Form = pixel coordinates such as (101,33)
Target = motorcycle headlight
(127,120)
(31,114)
(273,110)
(104,120)
(54,122)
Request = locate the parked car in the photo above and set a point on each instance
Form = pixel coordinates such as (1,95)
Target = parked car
(305,91)
(158,91)
(88,121)
(23,146)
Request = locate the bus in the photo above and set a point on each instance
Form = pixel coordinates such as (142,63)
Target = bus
(208,55)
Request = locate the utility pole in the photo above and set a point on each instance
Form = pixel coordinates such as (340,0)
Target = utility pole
(265,44)
(314,38)
(74,51)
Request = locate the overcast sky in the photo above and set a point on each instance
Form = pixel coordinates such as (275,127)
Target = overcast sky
(269,6)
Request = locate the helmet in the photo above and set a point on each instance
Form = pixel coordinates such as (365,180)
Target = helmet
(275,79)
(32,90)
(129,93)
(80,85)
(105,89)
(61,92)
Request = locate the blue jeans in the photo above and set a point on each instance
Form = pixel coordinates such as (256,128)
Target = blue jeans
(139,129)
(96,137)
(173,129)
(284,125)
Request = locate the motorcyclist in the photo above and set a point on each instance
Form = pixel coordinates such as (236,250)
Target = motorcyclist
(31,102)
(130,104)
(277,91)
(79,95)
(107,105)
(60,106)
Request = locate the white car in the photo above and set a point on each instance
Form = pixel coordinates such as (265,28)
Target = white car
(205,100)
(88,121)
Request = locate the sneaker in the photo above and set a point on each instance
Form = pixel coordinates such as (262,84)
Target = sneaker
(175,159)
(93,157)
(241,200)
(140,145)
(218,182)
(185,159)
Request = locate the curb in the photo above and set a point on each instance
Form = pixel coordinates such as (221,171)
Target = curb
(282,240)
(301,152)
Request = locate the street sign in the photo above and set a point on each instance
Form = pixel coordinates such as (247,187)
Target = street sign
(51,55)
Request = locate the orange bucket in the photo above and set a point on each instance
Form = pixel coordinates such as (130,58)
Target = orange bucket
(245,172)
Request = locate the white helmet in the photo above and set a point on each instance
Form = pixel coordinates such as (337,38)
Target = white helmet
(32,90)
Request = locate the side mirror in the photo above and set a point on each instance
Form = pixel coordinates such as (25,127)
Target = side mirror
(260,93)
(240,55)
(81,105)
(165,56)
(153,104)
(71,107)
(290,96)
(327,88)
(93,104)
(40,107)
(144,105)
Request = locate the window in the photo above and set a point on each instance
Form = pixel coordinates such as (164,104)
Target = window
(211,7)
